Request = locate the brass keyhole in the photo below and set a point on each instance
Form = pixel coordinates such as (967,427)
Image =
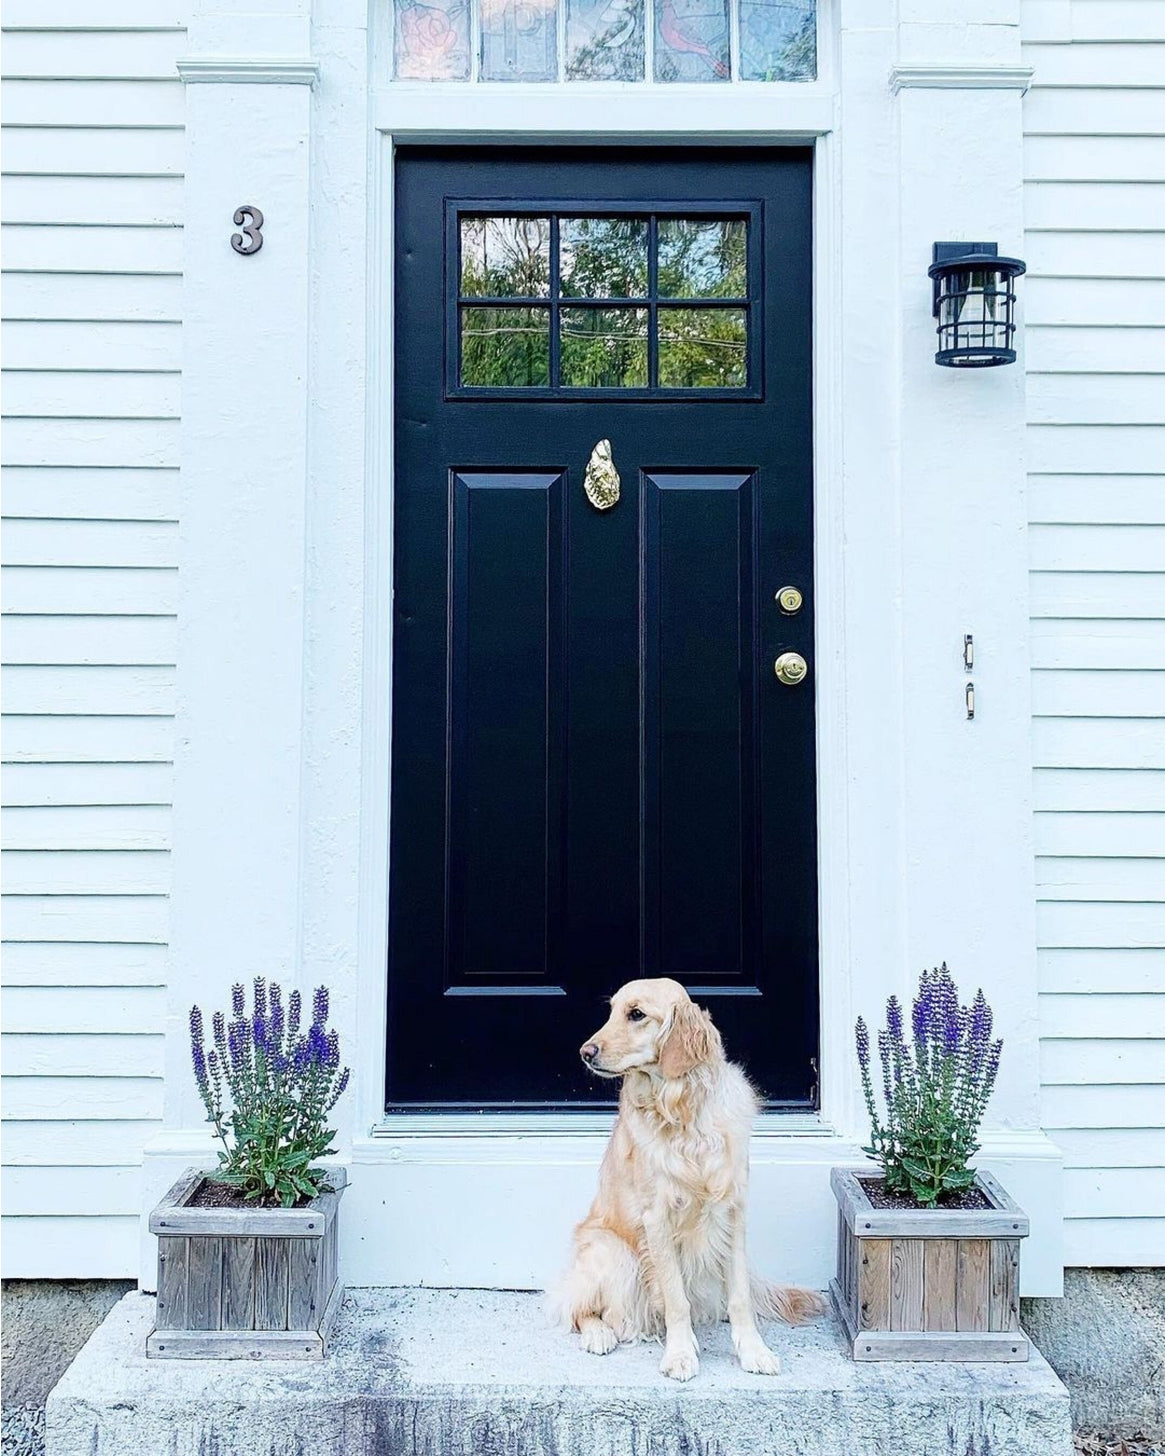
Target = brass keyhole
(790,600)
(791,669)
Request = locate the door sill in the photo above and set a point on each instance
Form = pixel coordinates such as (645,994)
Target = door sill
(559,1124)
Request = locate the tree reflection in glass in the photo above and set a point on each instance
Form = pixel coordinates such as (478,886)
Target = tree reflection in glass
(703,348)
(701,258)
(603,257)
(604,348)
(505,257)
(505,348)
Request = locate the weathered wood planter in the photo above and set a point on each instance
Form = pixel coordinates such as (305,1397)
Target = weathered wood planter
(928,1284)
(245,1283)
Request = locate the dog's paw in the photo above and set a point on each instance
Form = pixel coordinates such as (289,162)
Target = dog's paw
(682,1363)
(758,1359)
(597,1338)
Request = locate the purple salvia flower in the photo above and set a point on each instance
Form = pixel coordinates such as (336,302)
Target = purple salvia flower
(260,996)
(884,1055)
(300,1057)
(294,1013)
(197,1053)
(923,1010)
(259,1032)
(317,1045)
(219,1025)
(333,1056)
(894,1018)
(277,1019)
(238,1003)
(340,1087)
(237,1044)
(862,1035)
(319,1012)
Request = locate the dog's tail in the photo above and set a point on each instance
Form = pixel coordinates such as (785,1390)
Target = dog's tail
(785,1302)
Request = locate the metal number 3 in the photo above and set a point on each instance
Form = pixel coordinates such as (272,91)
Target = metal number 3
(250,240)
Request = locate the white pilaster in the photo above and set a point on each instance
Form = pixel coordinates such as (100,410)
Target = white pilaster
(237,796)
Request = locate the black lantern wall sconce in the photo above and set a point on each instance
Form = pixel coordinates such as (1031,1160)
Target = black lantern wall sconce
(974,302)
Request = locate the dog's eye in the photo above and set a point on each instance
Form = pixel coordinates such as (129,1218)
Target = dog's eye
(635,1014)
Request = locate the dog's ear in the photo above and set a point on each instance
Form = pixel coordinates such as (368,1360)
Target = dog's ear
(687,1041)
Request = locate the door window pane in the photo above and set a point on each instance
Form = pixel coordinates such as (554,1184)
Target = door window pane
(505,257)
(601,257)
(519,40)
(505,348)
(691,40)
(701,258)
(604,40)
(703,348)
(432,40)
(604,348)
(554,303)
(778,40)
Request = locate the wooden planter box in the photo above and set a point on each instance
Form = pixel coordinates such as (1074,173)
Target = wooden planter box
(928,1284)
(245,1283)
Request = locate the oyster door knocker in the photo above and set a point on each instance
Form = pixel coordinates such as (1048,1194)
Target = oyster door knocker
(601,480)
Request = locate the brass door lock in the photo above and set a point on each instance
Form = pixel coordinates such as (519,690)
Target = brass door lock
(790,600)
(791,669)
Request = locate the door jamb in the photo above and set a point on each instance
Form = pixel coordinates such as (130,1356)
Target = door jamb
(635,124)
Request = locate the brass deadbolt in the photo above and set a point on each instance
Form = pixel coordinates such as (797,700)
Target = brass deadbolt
(790,600)
(791,669)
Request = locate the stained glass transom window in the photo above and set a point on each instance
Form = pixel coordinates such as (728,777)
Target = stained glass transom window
(605,40)
(556,303)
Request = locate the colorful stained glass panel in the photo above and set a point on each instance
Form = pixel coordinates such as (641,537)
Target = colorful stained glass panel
(778,40)
(519,40)
(703,348)
(604,40)
(505,257)
(692,40)
(432,40)
(603,257)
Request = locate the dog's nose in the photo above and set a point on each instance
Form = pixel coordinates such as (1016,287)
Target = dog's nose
(588,1051)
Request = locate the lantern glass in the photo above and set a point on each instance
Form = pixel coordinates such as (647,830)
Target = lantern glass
(974,303)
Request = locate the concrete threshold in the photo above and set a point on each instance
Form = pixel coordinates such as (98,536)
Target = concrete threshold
(417,1372)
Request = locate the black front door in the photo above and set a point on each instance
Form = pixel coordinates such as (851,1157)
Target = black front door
(596,772)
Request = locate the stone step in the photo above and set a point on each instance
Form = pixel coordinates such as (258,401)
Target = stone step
(480,1373)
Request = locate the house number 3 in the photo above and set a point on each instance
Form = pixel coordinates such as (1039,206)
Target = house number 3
(250,240)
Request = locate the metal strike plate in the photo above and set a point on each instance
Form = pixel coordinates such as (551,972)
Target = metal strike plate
(790,600)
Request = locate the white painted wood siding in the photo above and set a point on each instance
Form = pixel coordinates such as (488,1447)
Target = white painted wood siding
(1095,348)
(93,149)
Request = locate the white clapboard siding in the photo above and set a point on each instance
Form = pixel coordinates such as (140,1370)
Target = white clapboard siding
(69,1144)
(69,785)
(127,494)
(1078,970)
(97,640)
(83,1011)
(1060,348)
(92,247)
(1095,355)
(1118,792)
(92,826)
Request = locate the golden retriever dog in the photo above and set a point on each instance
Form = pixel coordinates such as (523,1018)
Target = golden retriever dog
(663,1247)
